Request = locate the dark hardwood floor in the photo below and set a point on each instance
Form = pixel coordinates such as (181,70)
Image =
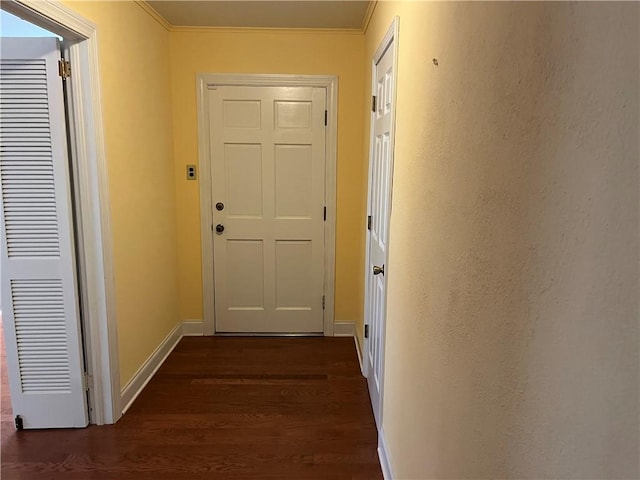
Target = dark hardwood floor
(220,408)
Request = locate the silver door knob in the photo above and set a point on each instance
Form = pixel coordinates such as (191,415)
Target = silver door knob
(378,270)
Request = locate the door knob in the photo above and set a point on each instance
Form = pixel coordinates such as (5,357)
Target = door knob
(219,228)
(219,206)
(378,270)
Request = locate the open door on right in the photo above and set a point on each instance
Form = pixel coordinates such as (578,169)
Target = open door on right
(379,208)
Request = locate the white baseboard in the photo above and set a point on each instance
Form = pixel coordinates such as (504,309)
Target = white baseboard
(383,454)
(359,352)
(192,328)
(145,373)
(344,329)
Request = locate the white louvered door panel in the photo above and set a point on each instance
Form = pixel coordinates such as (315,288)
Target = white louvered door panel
(39,290)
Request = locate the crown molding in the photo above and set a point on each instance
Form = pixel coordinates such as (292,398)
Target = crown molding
(256,30)
(154,14)
(368,15)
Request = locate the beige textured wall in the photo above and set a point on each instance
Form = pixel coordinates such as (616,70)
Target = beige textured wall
(512,334)
(275,51)
(136,100)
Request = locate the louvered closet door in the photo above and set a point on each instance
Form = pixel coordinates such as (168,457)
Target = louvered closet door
(39,293)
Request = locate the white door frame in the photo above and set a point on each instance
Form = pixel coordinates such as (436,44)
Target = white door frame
(390,37)
(95,256)
(203,82)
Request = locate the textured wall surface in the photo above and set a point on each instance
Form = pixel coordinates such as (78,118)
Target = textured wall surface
(260,51)
(136,101)
(512,330)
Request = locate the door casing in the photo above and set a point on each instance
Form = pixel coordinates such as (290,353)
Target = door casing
(390,37)
(203,82)
(96,279)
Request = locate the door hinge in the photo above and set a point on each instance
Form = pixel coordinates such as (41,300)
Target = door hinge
(87,382)
(366,331)
(326,118)
(373,103)
(64,69)
(325,214)
(323,301)
(369,222)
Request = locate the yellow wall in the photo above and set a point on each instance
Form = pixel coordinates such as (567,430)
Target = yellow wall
(270,52)
(512,329)
(136,100)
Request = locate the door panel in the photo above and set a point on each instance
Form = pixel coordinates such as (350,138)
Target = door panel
(245,278)
(40,311)
(294,181)
(243,164)
(380,209)
(294,278)
(268,161)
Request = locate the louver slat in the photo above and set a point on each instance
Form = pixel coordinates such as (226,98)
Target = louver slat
(41,336)
(26,162)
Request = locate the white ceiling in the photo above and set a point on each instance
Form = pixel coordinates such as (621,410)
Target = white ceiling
(264,13)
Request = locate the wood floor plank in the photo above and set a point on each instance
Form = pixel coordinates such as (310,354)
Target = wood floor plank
(220,408)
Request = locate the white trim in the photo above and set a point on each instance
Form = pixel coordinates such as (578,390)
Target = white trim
(153,13)
(206,209)
(263,30)
(383,455)
(86,116)
(344,329)
(52,16)
(148,369)
(368,16)
(330,83)
(391,37)
(192,328)
(359,352)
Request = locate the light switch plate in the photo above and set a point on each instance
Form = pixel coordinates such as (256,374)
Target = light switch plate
(192,172)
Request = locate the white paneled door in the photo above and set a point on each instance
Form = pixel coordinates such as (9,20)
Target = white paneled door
(381,169)
(268,200)
(39,290)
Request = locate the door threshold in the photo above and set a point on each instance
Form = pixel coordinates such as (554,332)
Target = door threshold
(249,334)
